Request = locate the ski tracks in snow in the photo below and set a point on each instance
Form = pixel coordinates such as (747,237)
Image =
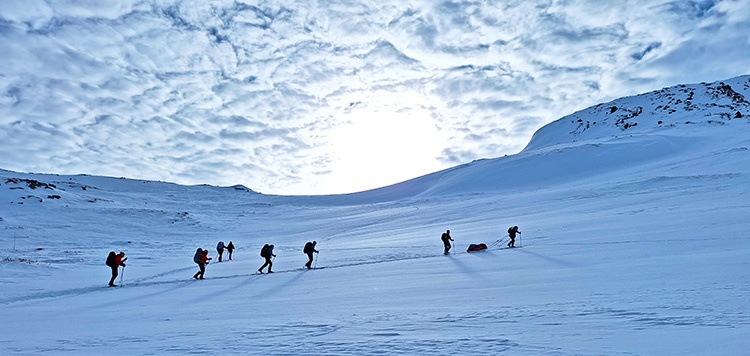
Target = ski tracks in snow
(151,280)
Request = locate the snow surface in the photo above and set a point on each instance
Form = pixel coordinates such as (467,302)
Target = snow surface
(634,242)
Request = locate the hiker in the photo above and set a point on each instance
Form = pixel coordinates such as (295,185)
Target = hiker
(230,249)
(446,237)
(111,264)
(309,249)
(512,231)
(220,249)
(114,261)
(267,252)
(201,258)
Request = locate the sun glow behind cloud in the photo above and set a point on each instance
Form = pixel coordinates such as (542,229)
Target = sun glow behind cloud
(382,143)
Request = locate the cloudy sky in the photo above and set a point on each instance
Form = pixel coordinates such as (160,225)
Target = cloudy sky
(319,97)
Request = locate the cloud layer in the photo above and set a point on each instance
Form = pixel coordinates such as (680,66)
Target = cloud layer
(332,96)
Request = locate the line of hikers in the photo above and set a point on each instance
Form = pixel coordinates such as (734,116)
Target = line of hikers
(201,258)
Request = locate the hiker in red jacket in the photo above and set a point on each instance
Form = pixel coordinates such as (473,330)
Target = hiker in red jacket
(201,258)
(114,262)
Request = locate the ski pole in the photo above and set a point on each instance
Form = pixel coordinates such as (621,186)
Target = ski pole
(500,241)
(121,275)
(315,264)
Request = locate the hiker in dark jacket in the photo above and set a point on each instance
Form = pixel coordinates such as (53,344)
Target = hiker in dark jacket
(309,250)
(230,249)
(446,237)
(114,261)
(201,258)
(267,252)
(220,249)
(512,231)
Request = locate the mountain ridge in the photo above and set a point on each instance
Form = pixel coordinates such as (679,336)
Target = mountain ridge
(718,103)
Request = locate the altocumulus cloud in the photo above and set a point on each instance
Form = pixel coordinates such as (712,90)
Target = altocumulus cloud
(270,94)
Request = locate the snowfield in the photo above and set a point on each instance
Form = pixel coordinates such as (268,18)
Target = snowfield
(634,242)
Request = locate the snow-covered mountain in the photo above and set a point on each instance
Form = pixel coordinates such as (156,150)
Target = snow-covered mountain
(715,103)
(634,241)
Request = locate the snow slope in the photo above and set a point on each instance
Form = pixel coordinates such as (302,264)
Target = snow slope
(635,242)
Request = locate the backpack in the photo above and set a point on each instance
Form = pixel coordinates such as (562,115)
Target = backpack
(308,248)
(510,230)
(264,250)
(197,256)
(220,246)
(111,259)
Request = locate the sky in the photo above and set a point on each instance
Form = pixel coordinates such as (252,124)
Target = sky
(324,97)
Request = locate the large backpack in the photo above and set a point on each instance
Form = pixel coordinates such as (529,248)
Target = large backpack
(308,248)
(220,245)
(111,259)
(264,250)
(197,256)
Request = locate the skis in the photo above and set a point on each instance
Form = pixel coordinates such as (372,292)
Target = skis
(304,268)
